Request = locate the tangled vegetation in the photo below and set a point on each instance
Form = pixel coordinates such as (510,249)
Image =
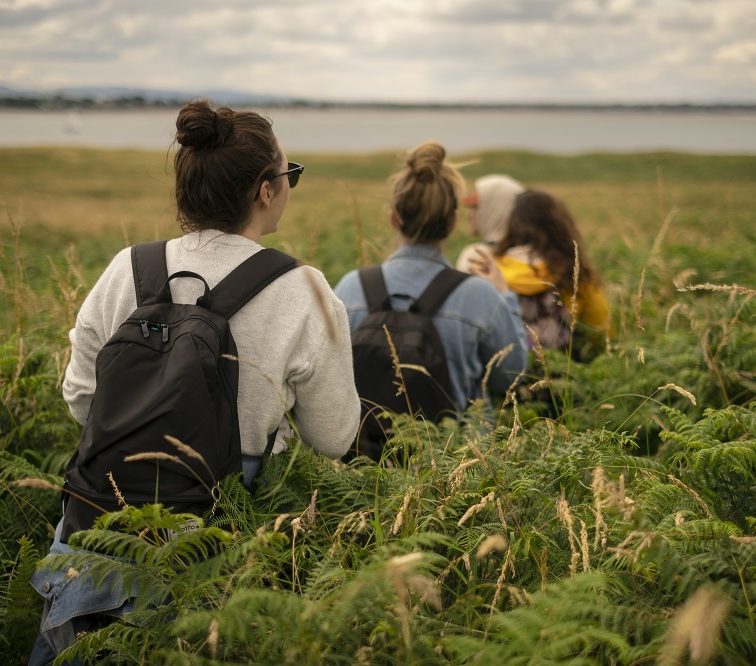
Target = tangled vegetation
(604,513)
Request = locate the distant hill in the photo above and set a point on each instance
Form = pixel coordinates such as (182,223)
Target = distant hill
(125,97)
(120,97)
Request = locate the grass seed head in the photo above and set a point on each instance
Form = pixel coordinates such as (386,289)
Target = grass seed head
(495,542)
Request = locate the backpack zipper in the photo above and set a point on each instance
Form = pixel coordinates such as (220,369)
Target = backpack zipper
(148,326)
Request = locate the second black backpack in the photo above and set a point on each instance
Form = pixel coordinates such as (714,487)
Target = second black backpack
(418,350)
(169,369)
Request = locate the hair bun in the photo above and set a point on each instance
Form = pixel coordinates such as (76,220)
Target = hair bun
(426,160)
(198,126)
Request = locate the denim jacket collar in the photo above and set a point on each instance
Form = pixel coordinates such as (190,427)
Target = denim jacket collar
(420,251)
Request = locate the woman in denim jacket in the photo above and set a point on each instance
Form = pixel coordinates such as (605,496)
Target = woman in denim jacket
(476,320)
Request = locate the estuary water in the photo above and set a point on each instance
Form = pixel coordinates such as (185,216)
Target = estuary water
(369,130)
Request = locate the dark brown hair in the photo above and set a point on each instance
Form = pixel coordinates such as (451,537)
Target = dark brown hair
(544,223)
(425,194)
(223,159)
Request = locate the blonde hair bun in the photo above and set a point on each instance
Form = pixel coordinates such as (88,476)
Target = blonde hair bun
(426,161)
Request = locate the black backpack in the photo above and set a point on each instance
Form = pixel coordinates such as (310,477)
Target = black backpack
(169,369)
(420,353)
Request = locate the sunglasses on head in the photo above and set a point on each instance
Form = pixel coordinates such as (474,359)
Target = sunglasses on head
(293,171)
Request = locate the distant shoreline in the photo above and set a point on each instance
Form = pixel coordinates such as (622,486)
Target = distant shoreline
(28,103)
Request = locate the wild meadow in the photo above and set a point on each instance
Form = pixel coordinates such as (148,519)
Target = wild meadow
(609,521)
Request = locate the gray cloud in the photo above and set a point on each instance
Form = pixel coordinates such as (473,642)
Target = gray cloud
(495,50)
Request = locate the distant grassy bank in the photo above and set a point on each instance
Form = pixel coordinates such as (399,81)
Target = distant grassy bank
(77,207)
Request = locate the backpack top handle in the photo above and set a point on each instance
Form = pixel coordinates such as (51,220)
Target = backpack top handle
(249,278)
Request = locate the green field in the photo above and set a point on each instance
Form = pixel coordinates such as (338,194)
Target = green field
(614,525)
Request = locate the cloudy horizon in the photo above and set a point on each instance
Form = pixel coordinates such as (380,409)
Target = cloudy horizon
(473,51)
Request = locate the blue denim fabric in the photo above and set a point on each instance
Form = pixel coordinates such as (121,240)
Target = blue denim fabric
(250,467)
(474,323)
(69,601)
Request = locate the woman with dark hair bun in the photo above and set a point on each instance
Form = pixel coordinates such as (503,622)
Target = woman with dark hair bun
(292,339)
(474,321)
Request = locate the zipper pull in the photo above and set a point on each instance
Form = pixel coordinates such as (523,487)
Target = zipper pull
(165,332)
(145,330)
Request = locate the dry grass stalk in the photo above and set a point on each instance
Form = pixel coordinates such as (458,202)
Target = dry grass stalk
(117,491)
(189,452)
(639,299)
(475,508)
(153,455)
(565,517)
(212,637)
(495,542)
(540,384)
(645,539)
(662,234)
(679,389)
(729,288)
(399,520)
(516,428)
(427,590)
(543,567)
(641,354)
(682,277)
(404,581)
(519,596)
(500,511)
(655,249)
(279,521)
(495,360)
(693,494)
(401,387)
(476,451)
(551,429)
(537,347)
(310,511)
(364,656)
(506,567)
(38,484)
(695,629)
(465,559)
(598,484)
(744,540)
(455,476)
(575,285)
(584,546)
(353,523)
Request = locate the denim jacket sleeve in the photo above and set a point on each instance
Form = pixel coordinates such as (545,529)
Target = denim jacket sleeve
(506,327)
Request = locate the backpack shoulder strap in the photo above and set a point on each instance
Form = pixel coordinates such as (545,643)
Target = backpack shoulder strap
(374,287)
(438,291)
(247,280)
(150,273)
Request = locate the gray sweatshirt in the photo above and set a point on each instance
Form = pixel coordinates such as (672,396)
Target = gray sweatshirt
(292,341)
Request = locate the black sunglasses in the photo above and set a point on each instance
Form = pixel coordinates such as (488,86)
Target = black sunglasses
(293,172)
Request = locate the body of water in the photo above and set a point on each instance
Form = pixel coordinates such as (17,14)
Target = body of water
(350,130)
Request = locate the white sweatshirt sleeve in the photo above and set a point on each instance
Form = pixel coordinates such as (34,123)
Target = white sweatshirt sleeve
(105,307)
(327,408)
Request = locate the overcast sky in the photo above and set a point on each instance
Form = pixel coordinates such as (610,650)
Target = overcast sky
(403,50)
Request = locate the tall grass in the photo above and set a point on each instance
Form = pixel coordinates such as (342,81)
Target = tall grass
(612,523)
